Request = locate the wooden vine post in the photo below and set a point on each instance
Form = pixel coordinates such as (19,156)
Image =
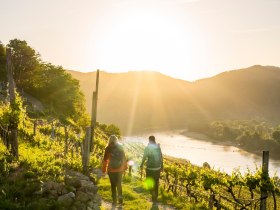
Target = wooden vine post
(34,127)
(94,110)
(66,140)
(52,132)
(86,151)
(12,140)
(265,177)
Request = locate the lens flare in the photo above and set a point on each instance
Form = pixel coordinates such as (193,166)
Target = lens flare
(130,163)
(149,183)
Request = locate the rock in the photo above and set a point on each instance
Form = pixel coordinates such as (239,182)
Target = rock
(85,183)
(49,185)
(64,191)
(79,205)
(73,181)
(79,175)
(90,204)
(83,197)
(60,188)
(97,199)
(67,199)
(71,194)
(70,188)
(89,188)
(53,193)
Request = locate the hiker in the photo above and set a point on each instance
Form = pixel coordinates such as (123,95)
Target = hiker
(114,162)
(154,166)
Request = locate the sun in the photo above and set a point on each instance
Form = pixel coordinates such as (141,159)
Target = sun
(143,39)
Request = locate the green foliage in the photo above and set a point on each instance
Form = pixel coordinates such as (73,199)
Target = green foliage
(250,135)
(110,129)
(12,115)
(50,84)
(50,151)
(3,72)
(41,159)
(187,186)
(59,91)
(5,161)
(132,199)
(276,135)
(25,61)
(29,174)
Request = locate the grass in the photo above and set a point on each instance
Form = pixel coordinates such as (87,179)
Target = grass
(134,195)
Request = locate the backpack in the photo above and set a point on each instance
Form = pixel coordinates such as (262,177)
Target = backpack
(154,157)
(116,158)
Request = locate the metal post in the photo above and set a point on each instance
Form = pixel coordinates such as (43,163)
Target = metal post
(265,176)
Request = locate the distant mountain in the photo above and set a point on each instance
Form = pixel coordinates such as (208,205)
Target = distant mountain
(142,101)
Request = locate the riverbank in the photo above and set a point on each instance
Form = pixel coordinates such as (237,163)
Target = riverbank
(198,149)
(205,138)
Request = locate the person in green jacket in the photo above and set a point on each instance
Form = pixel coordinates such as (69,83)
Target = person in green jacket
(154,165)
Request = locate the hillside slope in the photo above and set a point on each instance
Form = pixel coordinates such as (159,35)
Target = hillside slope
(142,101)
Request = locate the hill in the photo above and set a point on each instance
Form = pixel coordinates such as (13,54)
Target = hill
(142,101)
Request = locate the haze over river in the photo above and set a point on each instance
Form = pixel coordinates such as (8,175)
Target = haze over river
(225,158)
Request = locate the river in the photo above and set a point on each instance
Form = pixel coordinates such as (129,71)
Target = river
(222,157)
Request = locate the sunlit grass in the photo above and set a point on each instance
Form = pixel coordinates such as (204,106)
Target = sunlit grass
(134,195)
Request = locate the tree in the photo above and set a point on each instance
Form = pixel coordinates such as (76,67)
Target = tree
(59,91)
(48,83)
(25,62)
(3,72)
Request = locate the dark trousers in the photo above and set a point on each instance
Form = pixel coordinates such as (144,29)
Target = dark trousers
(154,174)
(116,184)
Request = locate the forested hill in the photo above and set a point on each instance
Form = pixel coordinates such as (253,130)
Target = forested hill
(139,101)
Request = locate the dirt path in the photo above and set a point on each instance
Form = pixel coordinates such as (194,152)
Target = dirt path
(108,206)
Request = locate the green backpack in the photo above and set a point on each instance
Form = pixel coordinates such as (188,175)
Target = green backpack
(116,158)
(154,157)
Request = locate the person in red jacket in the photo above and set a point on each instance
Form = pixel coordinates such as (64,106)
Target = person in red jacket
(114,163)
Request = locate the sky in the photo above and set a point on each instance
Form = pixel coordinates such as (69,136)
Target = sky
(185,39)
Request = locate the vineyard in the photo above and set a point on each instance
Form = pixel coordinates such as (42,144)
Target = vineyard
(47,149)
(215,190)
(41,152)
(47,153)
